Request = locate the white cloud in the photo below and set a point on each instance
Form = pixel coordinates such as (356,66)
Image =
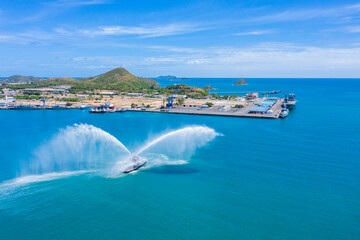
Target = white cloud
(348,29)
(196,61)
(5,38)
(145,31)
(57,7)
(260,32)
(353,29)
(100,67)
(76,3)
(306,14)
(175,49)
(263,60)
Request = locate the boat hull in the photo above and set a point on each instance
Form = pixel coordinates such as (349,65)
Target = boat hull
(134,168)
(97,111)
(291,104)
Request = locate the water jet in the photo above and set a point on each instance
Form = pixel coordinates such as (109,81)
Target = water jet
(83,148)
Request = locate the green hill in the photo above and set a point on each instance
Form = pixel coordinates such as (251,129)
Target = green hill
(117,79)
(183,89)
(121,79)
(116,75)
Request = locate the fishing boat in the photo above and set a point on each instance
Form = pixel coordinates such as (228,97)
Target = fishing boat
(137,163)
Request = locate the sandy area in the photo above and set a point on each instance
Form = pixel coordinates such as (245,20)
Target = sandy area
(122,101)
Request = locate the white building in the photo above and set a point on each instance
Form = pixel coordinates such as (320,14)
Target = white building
(9,92)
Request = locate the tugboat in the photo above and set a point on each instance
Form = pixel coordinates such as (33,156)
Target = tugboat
(284,111)
(138,163)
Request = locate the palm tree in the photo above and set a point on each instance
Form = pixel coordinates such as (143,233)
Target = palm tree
(180,101)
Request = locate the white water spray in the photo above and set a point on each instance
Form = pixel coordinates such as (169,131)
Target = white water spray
(196,136)
(78,147)
(170,148)
(84,148)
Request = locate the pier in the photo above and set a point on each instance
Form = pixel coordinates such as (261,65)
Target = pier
(219,111)
(265,108)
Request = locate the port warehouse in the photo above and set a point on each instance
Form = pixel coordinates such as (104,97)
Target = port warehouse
(264,106)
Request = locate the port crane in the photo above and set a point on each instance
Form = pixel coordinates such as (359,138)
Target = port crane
(170,99)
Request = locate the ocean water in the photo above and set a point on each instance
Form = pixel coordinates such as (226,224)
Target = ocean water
(217,178)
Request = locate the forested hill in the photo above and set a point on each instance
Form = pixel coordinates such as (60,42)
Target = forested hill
(117,79)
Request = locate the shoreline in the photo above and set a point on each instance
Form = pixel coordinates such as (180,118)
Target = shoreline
(221,108)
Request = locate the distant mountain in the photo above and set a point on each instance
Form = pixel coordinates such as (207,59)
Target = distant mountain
(241,82)
(21,79)
(168,77)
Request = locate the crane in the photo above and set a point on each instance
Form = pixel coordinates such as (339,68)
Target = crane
(170,99)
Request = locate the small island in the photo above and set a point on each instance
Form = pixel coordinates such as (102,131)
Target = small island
(208,88)
(21,79)
(167,77)
(241,82)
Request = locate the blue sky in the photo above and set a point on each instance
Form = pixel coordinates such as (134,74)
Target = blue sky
(254,38)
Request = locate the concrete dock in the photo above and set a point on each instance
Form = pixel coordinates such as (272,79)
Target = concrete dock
(216,111)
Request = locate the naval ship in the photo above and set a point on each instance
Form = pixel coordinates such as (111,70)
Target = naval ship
(290,101)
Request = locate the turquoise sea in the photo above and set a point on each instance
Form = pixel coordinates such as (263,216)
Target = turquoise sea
(213,178)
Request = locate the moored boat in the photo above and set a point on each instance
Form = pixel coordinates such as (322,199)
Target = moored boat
(284,111)
(58,107)
(104,108)
(97,110)
(290,101)
(121,110)
(24,107)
